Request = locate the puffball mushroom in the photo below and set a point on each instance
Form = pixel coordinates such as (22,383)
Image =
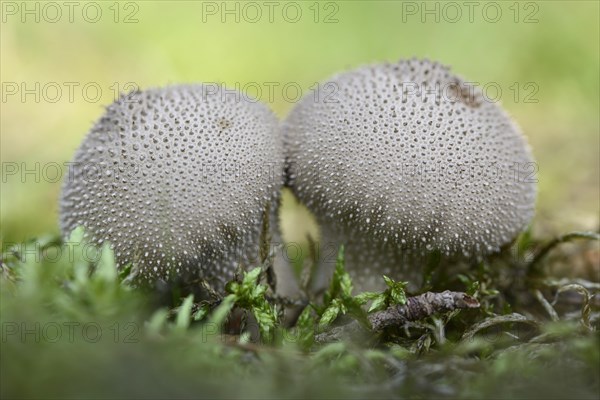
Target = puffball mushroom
(399,159)
(177,179)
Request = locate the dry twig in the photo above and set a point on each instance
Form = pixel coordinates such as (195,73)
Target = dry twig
(415,309)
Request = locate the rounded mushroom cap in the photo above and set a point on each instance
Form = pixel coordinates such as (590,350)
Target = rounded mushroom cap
(177,180)
(410,155)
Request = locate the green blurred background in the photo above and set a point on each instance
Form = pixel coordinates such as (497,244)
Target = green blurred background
(178,41)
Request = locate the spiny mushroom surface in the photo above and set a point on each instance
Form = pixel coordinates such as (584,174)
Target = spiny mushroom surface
(399,159)
(177,180)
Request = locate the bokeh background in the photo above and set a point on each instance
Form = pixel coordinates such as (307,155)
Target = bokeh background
(549,50)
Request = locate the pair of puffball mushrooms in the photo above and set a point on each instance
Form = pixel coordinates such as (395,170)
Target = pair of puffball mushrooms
(182,175)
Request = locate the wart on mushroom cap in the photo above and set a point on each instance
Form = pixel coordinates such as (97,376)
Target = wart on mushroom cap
(405,158)
(177,180)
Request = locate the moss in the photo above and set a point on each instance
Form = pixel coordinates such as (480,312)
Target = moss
(53,311)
